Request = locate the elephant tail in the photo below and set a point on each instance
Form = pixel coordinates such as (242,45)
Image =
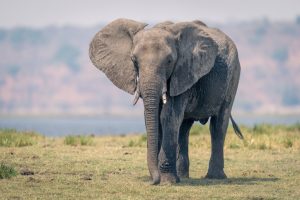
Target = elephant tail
(236,128)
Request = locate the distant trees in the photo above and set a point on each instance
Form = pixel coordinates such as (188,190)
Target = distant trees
(298,20)
(25,35)
(2,35)
(68,54)
(290,96)
(13,70)
(260,31)
(35,61)
(281,54)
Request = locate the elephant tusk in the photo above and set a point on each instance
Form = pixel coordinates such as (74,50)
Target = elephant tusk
(164,98)
(136,98)
(137,92)
(164,93)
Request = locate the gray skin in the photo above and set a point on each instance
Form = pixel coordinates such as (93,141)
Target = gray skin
(193,67)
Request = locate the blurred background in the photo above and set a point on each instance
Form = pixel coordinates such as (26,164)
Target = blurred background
(48,84)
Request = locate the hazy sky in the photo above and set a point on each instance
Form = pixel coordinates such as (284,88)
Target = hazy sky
(38,13)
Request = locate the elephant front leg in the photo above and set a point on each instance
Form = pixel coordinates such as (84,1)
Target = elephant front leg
(167,154)
(171,120)
(218,128)
(183,163)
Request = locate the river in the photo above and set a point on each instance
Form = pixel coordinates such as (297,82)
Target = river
(66,125)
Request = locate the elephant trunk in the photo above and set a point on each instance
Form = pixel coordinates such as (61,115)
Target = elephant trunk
(151,98)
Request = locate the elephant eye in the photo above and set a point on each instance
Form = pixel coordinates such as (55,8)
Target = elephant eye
(169,60)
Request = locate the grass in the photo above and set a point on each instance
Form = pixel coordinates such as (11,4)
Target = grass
(14,138)
(265,165)
(138,142)
(78,140)
(7,171)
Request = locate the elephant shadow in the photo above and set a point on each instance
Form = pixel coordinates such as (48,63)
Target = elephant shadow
(228,181)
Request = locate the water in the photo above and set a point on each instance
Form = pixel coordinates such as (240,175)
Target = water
(61,126)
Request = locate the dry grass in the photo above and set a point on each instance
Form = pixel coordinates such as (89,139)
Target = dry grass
(266,165)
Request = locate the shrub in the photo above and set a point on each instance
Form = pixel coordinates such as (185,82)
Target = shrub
(131,143)
(262,146)
(263,129)
(75,140)
(143,138)
(7,171)
(288,143)
(234,146)
(139,142)
(14,138)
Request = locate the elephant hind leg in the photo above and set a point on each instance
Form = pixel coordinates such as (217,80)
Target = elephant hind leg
(182,163)
(218,129)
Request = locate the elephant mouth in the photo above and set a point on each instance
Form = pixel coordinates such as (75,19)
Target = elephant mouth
(137,94)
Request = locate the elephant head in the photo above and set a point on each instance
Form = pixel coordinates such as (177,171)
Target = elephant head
(162,61)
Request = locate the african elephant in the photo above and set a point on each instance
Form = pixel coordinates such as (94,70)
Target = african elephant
(184,72)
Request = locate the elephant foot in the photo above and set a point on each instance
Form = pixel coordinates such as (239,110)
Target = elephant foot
(182,166)
(168,178)
(155,178)
(215,174)
(183,174)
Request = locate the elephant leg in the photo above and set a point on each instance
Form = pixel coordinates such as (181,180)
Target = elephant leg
(171,119)
(182,164)
(218,129)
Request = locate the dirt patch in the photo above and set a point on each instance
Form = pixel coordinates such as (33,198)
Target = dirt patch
(87,177)
(26,172)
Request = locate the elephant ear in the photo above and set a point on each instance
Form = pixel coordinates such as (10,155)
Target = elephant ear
(110,52)
(197,52)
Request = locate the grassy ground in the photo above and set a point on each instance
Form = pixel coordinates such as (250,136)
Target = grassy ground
(266,165)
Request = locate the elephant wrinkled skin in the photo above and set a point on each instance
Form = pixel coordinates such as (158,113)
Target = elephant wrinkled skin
(184,72)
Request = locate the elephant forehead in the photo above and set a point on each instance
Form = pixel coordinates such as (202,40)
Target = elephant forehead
(154,35)
(155,46)
(152,51)
(150,46)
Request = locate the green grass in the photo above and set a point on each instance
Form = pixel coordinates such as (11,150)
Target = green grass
(198,129)
(265,165)
(78,140)
(138,142)
(14,138)
(7,171)
(270,129)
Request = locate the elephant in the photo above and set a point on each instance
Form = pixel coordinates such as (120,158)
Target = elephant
(184,72)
